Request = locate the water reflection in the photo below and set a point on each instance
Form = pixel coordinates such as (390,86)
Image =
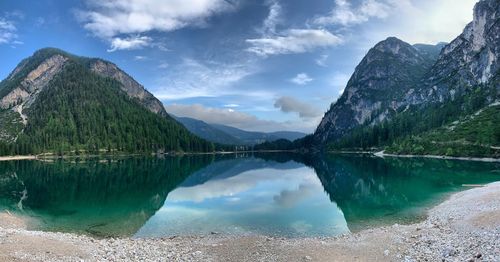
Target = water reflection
(99,197)
(250,196)
(373,191)
(277,194)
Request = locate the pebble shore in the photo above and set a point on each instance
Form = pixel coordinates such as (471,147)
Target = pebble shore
(464,228)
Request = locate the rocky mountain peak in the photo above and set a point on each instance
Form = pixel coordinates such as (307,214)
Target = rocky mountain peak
(388,71)
(395,46)
(34,73)
(22,88)
(394,74)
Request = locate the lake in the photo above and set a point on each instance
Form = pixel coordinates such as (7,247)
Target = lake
(278,194)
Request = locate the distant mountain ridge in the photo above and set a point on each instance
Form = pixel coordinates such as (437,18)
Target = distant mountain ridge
(207,131)
(227,135)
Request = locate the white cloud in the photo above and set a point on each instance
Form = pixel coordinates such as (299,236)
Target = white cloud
(40,21)
(140,58)
(7,31)
(344,14)
(289,198)
(232,117)
(301,79)
(274,17)
(293,41)
(232,186)
(194,78)
(221,116)
(129,43)
(289,104)
(231,105)
(412,21)
(14,15)
(424,22)
(321,61)
(163,65)
(111,19)
(7,25)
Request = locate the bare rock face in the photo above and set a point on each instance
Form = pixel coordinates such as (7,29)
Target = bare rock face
(377,88)
(129,86)
(469,60)
(394,75)
(25,94)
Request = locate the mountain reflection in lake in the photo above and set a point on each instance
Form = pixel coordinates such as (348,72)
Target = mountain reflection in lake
(275,194)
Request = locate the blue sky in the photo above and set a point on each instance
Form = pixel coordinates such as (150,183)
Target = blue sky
(263,65)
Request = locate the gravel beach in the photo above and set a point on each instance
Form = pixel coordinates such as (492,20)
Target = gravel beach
(466,227)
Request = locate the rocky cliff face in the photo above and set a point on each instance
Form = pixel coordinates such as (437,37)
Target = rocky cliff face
(34,82)
(469,60)
(129,86)
(394,75)
(378,86)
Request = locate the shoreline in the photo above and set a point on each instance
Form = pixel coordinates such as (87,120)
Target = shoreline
(11,158)
(381,154)
(465,227)
(53,156)
(478,159)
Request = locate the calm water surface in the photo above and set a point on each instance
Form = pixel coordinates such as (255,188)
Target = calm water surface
(274,194)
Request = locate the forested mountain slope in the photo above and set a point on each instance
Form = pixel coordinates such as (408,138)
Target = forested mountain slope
(58,102)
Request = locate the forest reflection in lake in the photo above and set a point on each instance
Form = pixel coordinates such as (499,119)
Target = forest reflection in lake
(274,194)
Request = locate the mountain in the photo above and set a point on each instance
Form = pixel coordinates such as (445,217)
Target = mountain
(470,60)
(56,101)
(208,132)
(432,51)
(252,138)
(377,88)
(476,135)
(288,135)
(399,90)
(227,135)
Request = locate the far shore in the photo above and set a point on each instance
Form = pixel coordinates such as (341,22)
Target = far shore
(54,156)
(480,159)
(466,227)
(10,158)
(381,154)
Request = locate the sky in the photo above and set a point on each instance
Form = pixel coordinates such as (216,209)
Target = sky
(260,65)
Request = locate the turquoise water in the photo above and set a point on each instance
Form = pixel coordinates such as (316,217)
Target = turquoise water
(274,194)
